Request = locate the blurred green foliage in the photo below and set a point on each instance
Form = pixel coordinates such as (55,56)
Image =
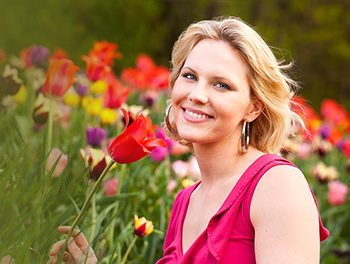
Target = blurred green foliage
(314,34)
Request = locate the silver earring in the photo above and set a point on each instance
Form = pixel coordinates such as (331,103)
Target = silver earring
(167,121)
(245,136)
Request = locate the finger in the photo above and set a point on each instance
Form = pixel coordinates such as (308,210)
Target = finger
(79,237)
(91,253)
(53,259)
(50,260)
(56,247)
(74,250)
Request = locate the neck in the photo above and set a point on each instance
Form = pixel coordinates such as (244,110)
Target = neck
(222,161)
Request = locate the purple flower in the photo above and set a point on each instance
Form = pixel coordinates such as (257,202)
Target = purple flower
(158,154)
(325,130)
(95,136)
(81,89)
(151,97)
(39,55)
(340,144)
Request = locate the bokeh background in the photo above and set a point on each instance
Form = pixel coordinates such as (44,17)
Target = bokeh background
(314,34)
(45,175)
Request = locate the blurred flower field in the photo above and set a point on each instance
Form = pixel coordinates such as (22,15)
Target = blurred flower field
(57,122)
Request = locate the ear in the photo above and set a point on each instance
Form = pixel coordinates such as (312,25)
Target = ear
(255,110)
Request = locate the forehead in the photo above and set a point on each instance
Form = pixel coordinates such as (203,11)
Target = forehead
(217,57)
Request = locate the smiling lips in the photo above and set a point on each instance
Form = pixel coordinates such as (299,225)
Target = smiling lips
(195,116)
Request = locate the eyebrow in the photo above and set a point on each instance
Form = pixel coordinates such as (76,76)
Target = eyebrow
(216,77)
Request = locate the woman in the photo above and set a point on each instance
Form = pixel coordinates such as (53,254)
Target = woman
(231,102)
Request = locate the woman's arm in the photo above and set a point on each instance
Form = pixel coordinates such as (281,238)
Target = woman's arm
(285,218)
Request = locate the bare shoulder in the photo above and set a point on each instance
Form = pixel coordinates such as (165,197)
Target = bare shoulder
(282,186)
(285,217)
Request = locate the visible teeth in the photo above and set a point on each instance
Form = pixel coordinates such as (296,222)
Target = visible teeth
(196,115)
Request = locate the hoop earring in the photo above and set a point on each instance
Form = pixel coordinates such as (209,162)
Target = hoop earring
(167,121)
(245,136)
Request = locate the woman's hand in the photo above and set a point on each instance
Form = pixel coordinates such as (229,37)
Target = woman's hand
(78,250)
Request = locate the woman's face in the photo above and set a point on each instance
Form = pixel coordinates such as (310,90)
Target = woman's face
(211,96)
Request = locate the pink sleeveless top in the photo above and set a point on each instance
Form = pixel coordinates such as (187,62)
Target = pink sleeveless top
(230,234)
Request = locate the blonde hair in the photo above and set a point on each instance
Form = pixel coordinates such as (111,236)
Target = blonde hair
(266,76)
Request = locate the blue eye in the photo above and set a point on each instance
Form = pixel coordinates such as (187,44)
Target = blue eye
(189,76)
(223,85)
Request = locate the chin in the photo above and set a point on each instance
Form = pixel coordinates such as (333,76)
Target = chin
(193,137)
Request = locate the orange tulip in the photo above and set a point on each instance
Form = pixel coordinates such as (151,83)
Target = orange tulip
(59,77)
(59,54)
(105,51)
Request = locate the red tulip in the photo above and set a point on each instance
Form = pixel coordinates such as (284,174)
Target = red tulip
(144,63)
(117,94)
(2,55)
(334,112)
(307,113)
(59,77)
(346,148)
(95,68)
(135,142)
(146,75)
(25,56)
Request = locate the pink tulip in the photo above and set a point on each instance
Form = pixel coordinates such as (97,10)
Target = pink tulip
(158,154)
(171,186)
(304,151)
(181,168)
(62,163)
(337,192)
(194,169)
(110,186)
(7,260)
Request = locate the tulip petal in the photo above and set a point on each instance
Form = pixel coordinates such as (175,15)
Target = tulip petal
(137,130)
(126,117)
(59,77)
(98,169)
(127,150)
(152,143)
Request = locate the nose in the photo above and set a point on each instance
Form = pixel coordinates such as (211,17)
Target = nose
(199,94)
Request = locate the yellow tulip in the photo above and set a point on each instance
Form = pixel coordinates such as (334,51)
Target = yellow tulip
(108,116)
(72,99)
(21,96)
(98,87)
(187,183)
(94,107)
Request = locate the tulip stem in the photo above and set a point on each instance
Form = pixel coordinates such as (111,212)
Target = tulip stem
(129,249)
(116,206)
(85,206)
(93,219)
(50,126)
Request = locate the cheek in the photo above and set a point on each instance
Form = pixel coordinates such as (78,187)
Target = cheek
(177,96)
(178,93)
(234,108)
